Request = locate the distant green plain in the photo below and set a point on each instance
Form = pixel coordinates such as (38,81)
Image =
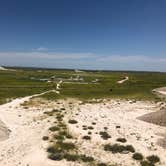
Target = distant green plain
(26,81)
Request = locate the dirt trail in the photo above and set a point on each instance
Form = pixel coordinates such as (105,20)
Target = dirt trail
(124,80)
(25,138)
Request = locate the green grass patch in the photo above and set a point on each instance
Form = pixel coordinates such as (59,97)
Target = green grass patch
(25,82)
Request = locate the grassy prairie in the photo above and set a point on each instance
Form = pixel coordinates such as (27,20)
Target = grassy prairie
(27,81)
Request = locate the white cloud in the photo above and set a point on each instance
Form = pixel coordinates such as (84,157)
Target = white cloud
(132,59)
(133,62)
(40,49)
(44,55)
(83,60)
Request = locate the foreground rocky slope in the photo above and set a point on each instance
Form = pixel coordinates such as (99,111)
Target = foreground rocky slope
(99,132)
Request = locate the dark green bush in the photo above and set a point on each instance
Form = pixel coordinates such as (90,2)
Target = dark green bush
(54,128)
(86,137)
(71,157)
(66,145)
(90,128)
(45,138)
(85,158)
(59,137)
(101,164)
(130,148)
(116,148)
(146,163)
(123,140)
(56,156)
(137,156)
(72,121)
(153,159)
(104,135)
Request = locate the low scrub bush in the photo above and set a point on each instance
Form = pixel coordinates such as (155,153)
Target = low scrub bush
(101,164)
(116,148)
(153,159)
(71,157)
(104,135)
(86,137)
(123,140)
(72,121)
(54,128)
(85,158)
(45,138)
(90,128)
(56,156)
(146,163)
(137,156)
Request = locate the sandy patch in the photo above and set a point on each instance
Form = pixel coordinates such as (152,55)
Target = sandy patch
(142,136)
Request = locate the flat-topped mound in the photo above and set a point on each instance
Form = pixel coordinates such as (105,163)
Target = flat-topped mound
(4,132)
(158,118)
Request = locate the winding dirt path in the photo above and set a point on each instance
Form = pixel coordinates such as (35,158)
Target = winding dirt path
(24,131)
(124,80)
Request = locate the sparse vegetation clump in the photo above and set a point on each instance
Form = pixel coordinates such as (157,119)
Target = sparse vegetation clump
(54,128)
(60,149)
(90,128)
(130,148)
(69,136)
(71,157)
(59,137)
(123,140)
(137,156)
(85,158)
(45,138)
(146,163)
(66,145)
(85,127)
(153,159)
(59,117)
(56,156)
(89,133)
(72,121)
(51,113)
(86,137)
(104,135)
(116,148)
(101,164)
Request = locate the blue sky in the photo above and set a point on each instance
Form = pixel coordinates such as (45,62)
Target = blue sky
(87,34)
